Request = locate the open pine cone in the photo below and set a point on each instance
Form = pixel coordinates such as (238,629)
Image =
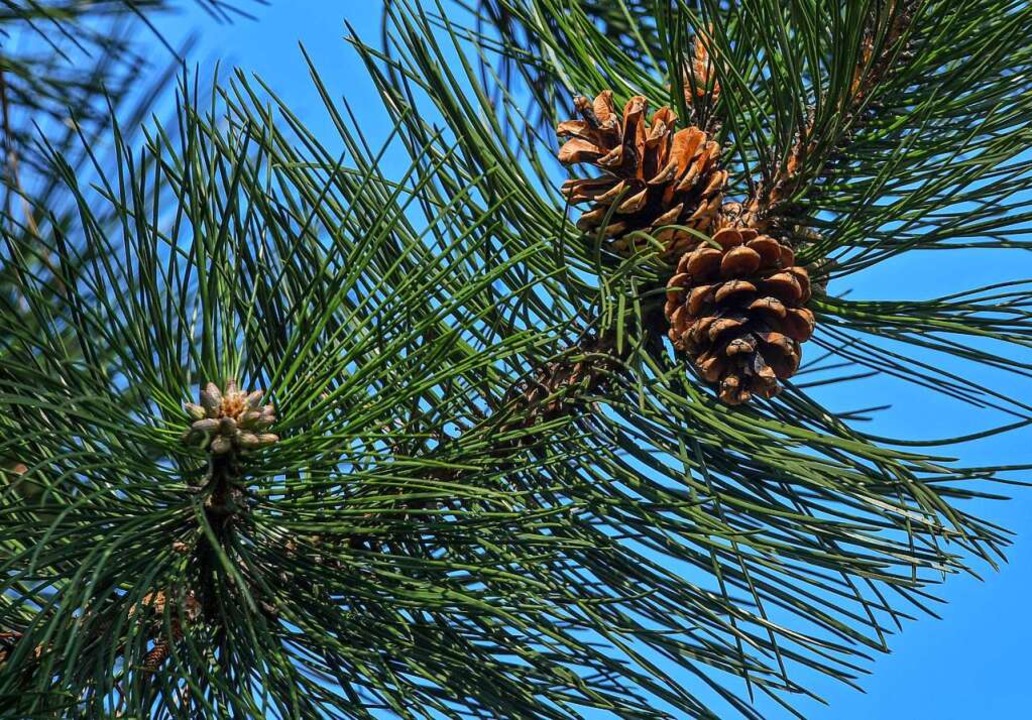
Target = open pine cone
(736,306)
(653,176)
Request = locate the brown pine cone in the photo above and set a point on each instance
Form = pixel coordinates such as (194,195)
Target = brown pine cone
(653,175)
(736,306)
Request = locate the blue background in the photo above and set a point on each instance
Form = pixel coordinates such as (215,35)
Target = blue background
(974,663)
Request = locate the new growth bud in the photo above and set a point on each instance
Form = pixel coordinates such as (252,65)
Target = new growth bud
(229,421)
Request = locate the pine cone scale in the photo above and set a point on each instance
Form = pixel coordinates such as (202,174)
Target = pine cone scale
(578,150)
(741,261)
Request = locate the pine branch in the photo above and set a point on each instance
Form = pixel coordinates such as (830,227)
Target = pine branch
(662,427)
(461,515)
(441,587)
(885,43)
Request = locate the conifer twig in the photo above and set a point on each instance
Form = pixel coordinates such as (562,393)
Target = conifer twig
(874,66)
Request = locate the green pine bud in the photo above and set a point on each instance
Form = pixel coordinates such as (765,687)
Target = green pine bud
(207,425)
(211,398)
(248,441)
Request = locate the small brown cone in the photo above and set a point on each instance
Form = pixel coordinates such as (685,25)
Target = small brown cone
(737,307)
(653,175)
(700,77)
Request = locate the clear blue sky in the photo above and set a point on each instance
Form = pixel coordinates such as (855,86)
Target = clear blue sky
(975,662)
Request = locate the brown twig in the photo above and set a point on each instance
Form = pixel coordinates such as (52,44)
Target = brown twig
(873,67)
(7,641)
